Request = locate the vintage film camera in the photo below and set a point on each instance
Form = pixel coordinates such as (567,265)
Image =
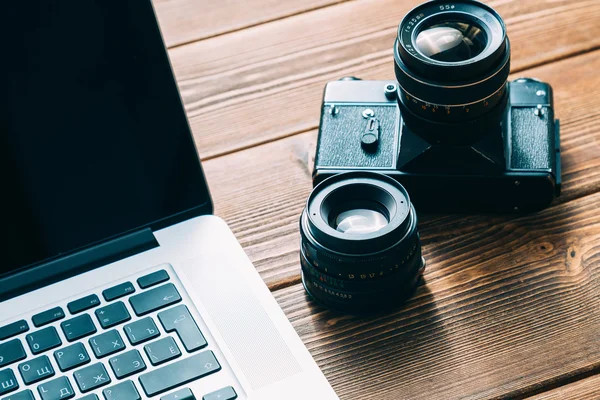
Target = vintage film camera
(452,130)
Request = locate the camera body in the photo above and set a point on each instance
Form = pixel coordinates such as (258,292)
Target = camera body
(506,161)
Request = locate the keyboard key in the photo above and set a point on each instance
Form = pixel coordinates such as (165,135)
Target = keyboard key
(112,315)
(11,352)
(56,389)
(178,319)
(141,331)
(162,350)
(227,393)
(44,339)
(118,291)
(48,316)
(155,299)
(91,396)
(24,395)
(124,390)
(127,364)
(36,370)
(83,304)
(179,373)
(183,394)
(92,377)
(107,343)
(71,356)
(10,330)
(153,279)
(78,327)
(8,381)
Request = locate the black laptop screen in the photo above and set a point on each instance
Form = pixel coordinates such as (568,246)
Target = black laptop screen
(94,141)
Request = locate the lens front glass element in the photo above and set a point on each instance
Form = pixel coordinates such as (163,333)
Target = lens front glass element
(451,41)
(360,221)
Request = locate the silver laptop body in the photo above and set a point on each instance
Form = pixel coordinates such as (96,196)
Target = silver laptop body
(119,282)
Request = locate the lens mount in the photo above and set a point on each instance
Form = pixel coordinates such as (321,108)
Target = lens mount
(452,60)
(343,191)
(376,260)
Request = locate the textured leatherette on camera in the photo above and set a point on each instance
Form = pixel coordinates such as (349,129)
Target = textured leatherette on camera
(532,141)
(341,147)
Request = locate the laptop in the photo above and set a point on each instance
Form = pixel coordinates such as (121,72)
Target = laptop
(116,281)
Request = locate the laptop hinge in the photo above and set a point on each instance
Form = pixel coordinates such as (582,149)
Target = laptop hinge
(76,263)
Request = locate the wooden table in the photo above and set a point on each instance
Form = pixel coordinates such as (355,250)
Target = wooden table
(510,307)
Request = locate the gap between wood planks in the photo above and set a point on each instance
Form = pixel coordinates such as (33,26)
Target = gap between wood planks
(252,25)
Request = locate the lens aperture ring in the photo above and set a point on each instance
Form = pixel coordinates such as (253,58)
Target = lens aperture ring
(451,113)
(443,90)
(363,268)
(363,282)
(361,301)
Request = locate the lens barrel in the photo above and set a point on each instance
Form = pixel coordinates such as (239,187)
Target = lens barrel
(360,271)
(452,63)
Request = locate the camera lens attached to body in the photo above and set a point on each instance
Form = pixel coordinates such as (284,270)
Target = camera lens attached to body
(360,244)
(452,64)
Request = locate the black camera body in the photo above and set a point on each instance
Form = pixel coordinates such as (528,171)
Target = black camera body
(508,161)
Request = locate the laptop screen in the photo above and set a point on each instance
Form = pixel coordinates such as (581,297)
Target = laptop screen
(94,141)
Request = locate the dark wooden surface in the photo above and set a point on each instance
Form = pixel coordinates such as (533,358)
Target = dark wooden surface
(510,307)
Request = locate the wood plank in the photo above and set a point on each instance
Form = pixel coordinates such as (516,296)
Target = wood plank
(509,306)
(261,191)
(266,82)
(185,21)
(585,389)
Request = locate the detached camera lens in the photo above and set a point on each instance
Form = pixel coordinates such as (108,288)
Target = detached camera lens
(360,244)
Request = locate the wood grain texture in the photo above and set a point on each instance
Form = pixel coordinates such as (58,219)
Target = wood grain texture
(265,83)
(509,306)
(261,191)
(185,21)
(586,389)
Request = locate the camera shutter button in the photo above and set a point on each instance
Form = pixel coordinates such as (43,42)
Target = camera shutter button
(369,139)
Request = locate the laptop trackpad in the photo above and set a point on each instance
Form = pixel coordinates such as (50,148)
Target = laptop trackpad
(223,283)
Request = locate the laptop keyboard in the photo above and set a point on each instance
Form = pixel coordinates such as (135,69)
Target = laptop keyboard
(89,353)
